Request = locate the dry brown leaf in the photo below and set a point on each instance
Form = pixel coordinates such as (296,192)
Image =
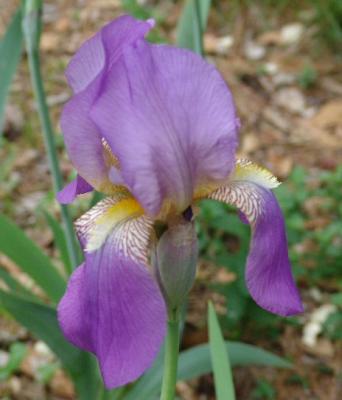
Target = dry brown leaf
(329,116)
(49,41)
(62,386)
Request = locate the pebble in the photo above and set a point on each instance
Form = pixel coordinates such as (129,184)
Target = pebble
(291,99)
(254,51)
(283,79)
(291,33)
(315,325)
(270,68)
(218,45)
(4,357)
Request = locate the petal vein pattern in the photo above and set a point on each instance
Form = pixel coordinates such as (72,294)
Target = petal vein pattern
(239,194)
(122,218)
(268,272)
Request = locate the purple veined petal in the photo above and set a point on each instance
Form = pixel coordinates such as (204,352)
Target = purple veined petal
(169,118)
(85,74)
(268,273)
(74,188)
(113,307)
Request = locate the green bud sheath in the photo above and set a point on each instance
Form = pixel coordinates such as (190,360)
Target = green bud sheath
(175,262)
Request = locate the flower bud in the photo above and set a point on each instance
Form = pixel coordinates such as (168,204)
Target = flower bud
(175,262)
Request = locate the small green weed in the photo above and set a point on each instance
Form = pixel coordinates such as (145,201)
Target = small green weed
(264,391)
(307,77)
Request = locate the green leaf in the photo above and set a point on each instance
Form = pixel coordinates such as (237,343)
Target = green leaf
(196,362)
(24,252)
(60,241)
(16,356)
(188,35)
(41,320)
(149,385)
(224,386)
(10,51)
(16,286)
(46,372)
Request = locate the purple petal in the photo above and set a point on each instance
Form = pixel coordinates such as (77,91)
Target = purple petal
(113,308)
(85,73)
(268,274)
(103,49)
(169,118)
(82,138)
(74,188)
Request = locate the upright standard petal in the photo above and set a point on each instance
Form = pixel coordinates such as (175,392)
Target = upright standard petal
(74,188)
(169,118)
(103,49)
(112,306)
(268,274)
(85,74)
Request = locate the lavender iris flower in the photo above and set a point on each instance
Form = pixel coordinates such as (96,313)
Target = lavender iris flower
(153,127)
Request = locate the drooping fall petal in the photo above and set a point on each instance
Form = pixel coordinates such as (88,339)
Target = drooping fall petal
(169,118)
(268,272)
(112,306)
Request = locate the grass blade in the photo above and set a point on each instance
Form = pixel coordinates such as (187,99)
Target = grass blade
(60,241)
(196,361)
(16,355)
(24,252)
(224,386)
(41,320)
(15,286)
(10,51)
(190,28)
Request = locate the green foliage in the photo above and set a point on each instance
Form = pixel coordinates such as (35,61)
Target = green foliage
(137,10)
(16,355)
(322,258)
(47,371)
(264,391)
(192,24)
(333,326)
(196,361)
(328,15)
(10,51)
(15,286)
(224,386)
(41,320)
(31,259)
(132,7)
(60,241)
(307,77)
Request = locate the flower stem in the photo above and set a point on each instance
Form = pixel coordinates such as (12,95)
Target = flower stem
(31,26)
(171,357)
